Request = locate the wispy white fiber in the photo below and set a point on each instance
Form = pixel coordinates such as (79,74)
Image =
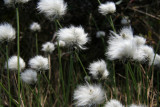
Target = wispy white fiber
(100,34)
(29,76)
(52,8)
(98,68)
(13,63)
(7,32)
(35,27)
(39,63)
(48,47)
(87,95)
(113,103)
(73,36)
(106,8)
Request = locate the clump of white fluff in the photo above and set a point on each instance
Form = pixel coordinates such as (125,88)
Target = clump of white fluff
(100,34)
(134,105)
(113,103)
(156,60)
(52,8)
(120,48)
(126,33)
(22,1)
(61,43)
(48,47)
(144,53)
(108,7)
(98,68)
(7,32)
(35,27)
(125,21)
(29,76)
(126,45)
(11,2)
(13,63)
(39,63)
(87,95)
(73,36)
(139,40)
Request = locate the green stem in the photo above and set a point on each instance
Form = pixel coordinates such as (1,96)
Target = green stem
(81,63)
(49,61)
(114,79)
(99,2)
(8,75)
(111,23)
(70,79)
(18,51)
(127,83)
(158,89)
(61,70)
(36,43)
(14,101)
(39,97)
(59,23)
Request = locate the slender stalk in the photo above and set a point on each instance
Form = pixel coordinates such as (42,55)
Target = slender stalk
(127,83)
(112,24)
(36,43)
(109,18)
(59,23)
(18,51)
(99,2)
(39,96)
(158,89)
(49,61)
(13,100)
(70,77)
(9,90)
(61,70)
(114,79)
(81,63)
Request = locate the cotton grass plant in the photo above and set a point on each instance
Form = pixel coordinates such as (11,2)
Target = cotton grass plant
(57,75)
(35,27)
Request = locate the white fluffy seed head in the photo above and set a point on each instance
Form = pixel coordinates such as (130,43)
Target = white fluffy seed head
(120,48)
(108,7)
(61,43)
(13,63)
(7,32)
(29,76)
(113,103)
(35,27)
(100,34)
(8,2)
(98,68)
(73,36)
(52,8)
(11,2)
(39,63)
(48,47)
(126,33)
(139,40)
(86,95)
(140,55)
(22,1)
(155,60)
(149,53)
(134,105)
(125,21)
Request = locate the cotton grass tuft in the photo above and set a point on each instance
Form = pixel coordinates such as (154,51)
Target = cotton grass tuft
(87,95)
(13,63)
(52,8)
(7,32)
